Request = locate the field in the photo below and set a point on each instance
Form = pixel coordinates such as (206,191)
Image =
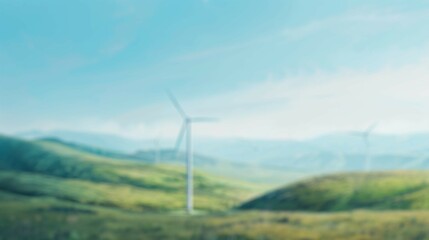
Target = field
(46,218)
(390,190)
(45,168)
(51,190)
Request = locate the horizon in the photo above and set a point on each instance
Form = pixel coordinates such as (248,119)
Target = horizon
(328,134)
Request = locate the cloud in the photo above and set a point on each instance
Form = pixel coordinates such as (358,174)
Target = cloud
(293,107)
(116,46)
(370,18)
(323,103)
(297,107)
(214,51)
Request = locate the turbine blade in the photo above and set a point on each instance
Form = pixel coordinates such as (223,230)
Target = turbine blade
(371,128)
(204,119)
(180,137)
(177,105)
(356,134)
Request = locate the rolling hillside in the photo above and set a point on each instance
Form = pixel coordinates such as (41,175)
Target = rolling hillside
(51,169)
(53,190)
(336,152)
(263,177)
(348,191)
(43,218)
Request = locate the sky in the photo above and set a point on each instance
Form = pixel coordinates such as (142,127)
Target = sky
(266,69)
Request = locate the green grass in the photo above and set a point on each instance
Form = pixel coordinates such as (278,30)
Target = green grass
(46,168)
(49,190)
(45,218)
(260,176)
(348,191)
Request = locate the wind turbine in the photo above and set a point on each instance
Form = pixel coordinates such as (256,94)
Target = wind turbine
(365,136)
(157,153)
(186,129)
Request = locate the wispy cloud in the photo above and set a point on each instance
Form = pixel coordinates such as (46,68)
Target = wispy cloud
(343,101)
(345,21)
(298,107)
(224,49)
(342,23)
(290,107)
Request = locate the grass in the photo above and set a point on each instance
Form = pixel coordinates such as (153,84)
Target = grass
(45,218)
(260,176)
(49,190)
(46,168)
(348,191)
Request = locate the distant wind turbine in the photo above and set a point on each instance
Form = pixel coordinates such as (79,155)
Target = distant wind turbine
(365,136)
(157,152)
(186,129)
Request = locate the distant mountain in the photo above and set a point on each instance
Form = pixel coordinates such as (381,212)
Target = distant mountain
(50,168)
(263,177)
(275,161)
(349,191)
(147,156)
(251,150)
(104,141)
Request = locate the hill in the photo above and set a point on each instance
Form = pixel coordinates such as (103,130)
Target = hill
(348,191)
(44,218)
(264,178)
(51,169)
(336,152)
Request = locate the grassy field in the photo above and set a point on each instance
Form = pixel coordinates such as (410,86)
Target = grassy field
(49,190)
(347,191)
(44,218)
(46,168)
(266,177)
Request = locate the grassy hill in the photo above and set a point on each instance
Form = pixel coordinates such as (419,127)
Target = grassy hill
(348,191)
(45,218)
(51,190)
(262,177)
(52,169)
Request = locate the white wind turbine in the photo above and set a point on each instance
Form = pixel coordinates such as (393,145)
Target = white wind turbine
(365,136)
(157,152)
(187,129)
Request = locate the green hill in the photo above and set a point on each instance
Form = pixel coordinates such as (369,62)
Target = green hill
(338,192)
(261,177)
(43,218)
(169,156)
(52,169)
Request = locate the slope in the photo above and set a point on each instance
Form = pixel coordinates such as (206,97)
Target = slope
(347,191)
(45,168)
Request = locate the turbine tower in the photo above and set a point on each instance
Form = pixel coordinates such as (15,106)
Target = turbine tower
(186,129)
(365,136)
(157,152)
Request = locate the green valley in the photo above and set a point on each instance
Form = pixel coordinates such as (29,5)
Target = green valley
(46,168)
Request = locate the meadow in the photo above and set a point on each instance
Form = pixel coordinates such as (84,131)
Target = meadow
(48,218)
(46,168)
(53,190)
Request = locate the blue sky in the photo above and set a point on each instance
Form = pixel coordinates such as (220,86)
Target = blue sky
(268,69)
